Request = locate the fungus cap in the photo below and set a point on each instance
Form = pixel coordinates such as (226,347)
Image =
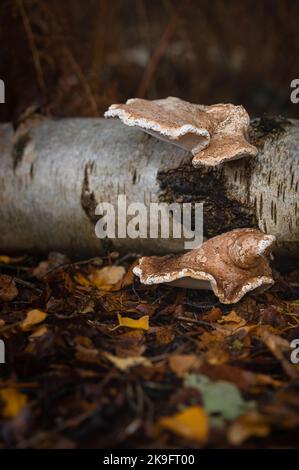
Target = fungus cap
(214,134)
(230,264)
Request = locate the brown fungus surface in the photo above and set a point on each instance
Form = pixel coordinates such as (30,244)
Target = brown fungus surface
(214,134)
(231,264)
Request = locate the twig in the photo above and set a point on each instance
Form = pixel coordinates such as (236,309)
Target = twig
(156,57)
(32,45)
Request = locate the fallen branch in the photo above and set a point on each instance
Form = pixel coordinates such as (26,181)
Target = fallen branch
(53,173)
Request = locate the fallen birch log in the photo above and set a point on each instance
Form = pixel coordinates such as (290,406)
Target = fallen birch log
(54,172)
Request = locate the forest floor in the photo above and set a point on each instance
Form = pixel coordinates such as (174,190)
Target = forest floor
(96,359)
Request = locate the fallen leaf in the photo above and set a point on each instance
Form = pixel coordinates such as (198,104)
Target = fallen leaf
(180,364)
(86,354)
(243,379)
(213,315)
(232,320)
(82,280)
(39,331)
(13,402)
(33,317)
(54,261)
(209,338)
(83,341)
(124,363)
(141,323)
(164,334)
(217,355)
(8,290)
(129,277)
(277,346)
(191,423)
(106,278)
(147,309)
(249,425)
(219,397)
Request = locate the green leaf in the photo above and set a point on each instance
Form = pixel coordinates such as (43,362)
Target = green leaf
(219,397)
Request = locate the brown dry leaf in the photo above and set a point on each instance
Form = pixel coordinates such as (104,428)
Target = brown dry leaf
(147,309)
(82,280)
(83,341)
(232,320)
(191,423)
(89,355)
(106,278)
(243,379)
(213,315)
(181,364)
(39,331)
(217,355)
(277,346)
(131,338)
(130,343)
(125,363)
(164,334)
(128,278)
(141,323)
(251,424)
(215,336)
(13,402)
(33,317)
(8,290)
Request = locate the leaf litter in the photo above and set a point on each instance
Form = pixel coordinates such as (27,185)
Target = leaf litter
(95,359)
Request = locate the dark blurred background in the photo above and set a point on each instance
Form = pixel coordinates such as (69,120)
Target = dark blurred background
(76,57)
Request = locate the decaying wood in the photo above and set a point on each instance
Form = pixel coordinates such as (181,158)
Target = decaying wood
(53,173)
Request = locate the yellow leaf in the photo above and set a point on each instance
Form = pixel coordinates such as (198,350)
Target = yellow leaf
(107,277)
(232,320)
(33,317)
(248,425)
(13,402)
(124,363)
(82,280)
(191,423)
(141,323)
(39,331)
(5,259)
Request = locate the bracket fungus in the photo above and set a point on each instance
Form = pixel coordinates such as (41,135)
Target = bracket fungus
(214,134)
(230,264)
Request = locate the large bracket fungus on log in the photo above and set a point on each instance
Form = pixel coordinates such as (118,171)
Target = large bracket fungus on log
(231,265)
(214,134)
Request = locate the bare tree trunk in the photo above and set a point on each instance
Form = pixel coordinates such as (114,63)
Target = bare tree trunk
(53,173)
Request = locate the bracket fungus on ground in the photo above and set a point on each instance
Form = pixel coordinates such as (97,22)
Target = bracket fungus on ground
(214,134)
(230,264)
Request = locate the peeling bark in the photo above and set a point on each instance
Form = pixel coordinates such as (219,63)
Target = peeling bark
(53,173)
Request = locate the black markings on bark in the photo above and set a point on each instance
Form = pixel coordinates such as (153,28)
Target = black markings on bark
(221,213)
(88,200)
(19,147)
(134,177)
(266,127)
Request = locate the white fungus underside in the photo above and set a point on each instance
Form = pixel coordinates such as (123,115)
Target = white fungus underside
(170,132)
(253,284)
